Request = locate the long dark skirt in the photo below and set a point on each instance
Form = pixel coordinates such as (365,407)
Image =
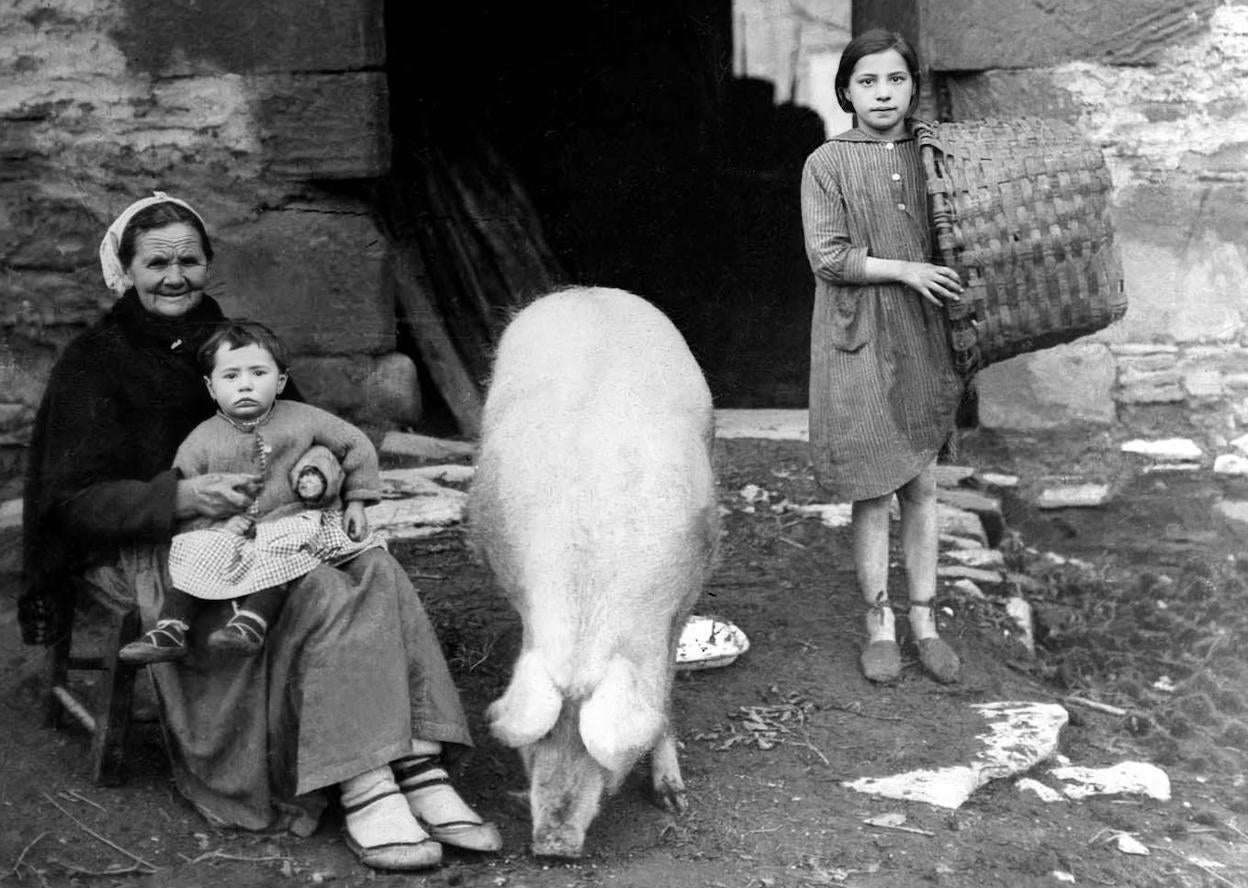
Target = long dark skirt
(351,672)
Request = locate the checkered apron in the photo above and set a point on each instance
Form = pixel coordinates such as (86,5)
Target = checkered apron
(218,564)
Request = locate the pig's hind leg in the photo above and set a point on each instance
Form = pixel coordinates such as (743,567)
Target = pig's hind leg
(666,783)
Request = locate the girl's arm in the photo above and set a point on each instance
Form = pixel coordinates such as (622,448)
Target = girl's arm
(834,257)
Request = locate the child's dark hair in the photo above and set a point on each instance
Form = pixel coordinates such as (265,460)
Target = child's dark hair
(238,334)
(869,43)
(158,216)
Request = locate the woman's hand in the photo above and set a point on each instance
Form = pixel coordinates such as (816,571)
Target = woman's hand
(217,494)
(355,520)
(935,283)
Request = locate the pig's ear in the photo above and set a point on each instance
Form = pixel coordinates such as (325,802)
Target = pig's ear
(529,707)
(619,720)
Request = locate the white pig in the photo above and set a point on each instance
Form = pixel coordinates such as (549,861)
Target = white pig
(594,507)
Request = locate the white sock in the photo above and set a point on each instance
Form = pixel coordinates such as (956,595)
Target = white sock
(376,812)
(427,786)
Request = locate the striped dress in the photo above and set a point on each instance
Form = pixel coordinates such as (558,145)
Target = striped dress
(883,390)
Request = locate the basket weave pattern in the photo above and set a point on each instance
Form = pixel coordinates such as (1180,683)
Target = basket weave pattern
(1021,209)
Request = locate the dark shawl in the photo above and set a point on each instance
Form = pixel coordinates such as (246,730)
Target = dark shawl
(119,401)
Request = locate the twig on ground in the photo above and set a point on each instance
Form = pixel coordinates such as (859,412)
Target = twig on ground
(1200,866)
(218,854)
(848,707)
(93,834)
(75,794)
(1230,824)
(1092,704)
(905,829)
(793,543)
(18,864)
(82,871)
(425,576)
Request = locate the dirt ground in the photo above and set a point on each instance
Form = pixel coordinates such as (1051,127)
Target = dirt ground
(1147,618)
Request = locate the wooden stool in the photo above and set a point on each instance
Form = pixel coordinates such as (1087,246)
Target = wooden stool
(106,715)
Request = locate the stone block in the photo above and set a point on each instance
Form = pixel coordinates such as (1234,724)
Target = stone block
(324,126)
(1069,383)
(999,94)
(315,273)
(371,390)
(251,36)
(1073,496)
(976,35)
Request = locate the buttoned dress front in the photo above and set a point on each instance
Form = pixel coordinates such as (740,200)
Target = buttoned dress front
(883,391)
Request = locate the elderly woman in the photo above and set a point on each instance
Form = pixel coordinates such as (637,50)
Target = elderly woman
(352,695)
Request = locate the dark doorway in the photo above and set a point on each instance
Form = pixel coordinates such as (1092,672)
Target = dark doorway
(647,165)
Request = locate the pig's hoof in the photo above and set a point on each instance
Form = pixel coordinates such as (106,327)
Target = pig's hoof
(671,797)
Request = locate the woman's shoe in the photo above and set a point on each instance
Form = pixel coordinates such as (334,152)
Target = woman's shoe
(467,834)
(386,809)
(164,644)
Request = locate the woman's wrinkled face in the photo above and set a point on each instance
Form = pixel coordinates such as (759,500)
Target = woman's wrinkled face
(245,381)
(169,270)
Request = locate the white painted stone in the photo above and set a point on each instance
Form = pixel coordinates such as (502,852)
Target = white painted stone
(997,479)
(1164,448)
(1073,496)
(1230,464)
(1046,793)
(1129,844)
(781,425)
(1124,778)
(986,558)
(1020,735)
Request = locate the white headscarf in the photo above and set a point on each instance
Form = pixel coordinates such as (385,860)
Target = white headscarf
(110,263)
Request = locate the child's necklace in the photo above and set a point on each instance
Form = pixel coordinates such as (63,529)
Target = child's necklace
(247,426)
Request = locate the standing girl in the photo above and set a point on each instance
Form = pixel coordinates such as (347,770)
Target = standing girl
(883,391)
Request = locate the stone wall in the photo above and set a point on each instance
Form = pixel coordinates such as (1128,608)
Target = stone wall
(1167,101)
(270,116)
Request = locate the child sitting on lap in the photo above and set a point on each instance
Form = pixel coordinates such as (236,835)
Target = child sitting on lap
(300,456)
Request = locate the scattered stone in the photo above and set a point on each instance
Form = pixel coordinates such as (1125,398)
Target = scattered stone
(1073,496)
(1165,448)
(831,514)
(988,508)
(1156,468)
(1241,444)
(1020,611)
(952,476)
(1124,778)
(1230,464)
(1046,793)
(968,588)
(960,542)
(425,447)
(1024,583)
(10,514)
(1063,876)
(981,557)
(996,479)
(1020,735)
(959,522)
(974,574)
(1129,844)
(1233,510)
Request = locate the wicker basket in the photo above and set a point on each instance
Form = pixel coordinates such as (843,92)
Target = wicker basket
(1020,209)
